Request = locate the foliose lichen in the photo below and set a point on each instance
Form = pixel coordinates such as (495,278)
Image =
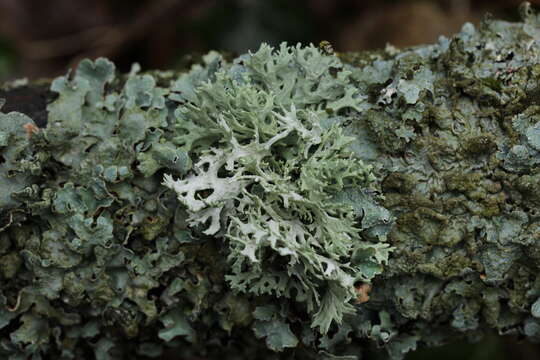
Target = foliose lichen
(271,172)
(290,202)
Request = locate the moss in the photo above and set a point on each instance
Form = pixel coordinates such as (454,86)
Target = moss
(455,264)
(10,265)
(361,59)
(399,182)
(425,222)
(154,226)
(479,145)
(527,185)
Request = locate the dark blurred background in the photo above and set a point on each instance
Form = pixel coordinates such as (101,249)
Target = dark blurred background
(43,38)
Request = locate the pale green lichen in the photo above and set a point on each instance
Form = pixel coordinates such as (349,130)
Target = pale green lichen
(267,179)
(264,167)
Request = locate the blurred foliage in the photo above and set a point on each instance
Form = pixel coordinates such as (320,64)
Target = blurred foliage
(7,58)
(47,37)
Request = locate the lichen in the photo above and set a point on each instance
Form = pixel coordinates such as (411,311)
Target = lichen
(289,202)
(269,177)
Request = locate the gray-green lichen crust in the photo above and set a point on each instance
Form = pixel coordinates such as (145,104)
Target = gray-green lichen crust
(248,207)
(273,167)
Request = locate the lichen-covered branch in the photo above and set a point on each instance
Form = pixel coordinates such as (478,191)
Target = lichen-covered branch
(291,202)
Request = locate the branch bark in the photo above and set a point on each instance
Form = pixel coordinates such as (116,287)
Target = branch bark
(452,131)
